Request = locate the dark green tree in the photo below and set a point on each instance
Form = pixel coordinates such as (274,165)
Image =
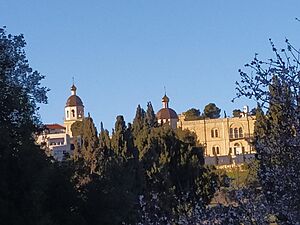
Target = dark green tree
(104,139)
(29,180)
(86,155)
(122,140)
(192,114)
(175,172)
(236,113)
(275,87)
(150,116)
(139,121)
(211,111)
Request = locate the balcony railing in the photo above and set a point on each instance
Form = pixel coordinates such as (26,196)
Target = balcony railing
(248,137)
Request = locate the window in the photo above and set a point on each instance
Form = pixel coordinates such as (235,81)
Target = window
(67,113)
(241,132)
(216,150)
(236,149)
(236,133)
(231,133)
(214,133)
(73,113)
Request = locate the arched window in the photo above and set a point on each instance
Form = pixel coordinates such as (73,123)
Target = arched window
(67,113)
(231,133)
(214,133)
(216,150)
(236,133)
(73,113)
(241,132)
(236,149)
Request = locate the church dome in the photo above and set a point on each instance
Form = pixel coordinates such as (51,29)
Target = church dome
(74,100)
(166,113)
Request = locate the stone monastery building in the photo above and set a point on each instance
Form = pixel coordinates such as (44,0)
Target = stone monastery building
(226,140)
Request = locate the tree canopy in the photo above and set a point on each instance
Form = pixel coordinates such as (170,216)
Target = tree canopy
(192,114)
(31,186)
(274,85)
(211,111)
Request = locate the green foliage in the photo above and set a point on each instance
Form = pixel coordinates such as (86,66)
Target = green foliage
(106,174)
(275,87)
(187,137)
(77,128)
(30,184)
(192,114)
(122,139)
(175,170)
(212,111)
(139,121)
(86,155)
(236,113)
(102,182)
(151,120)
(104,139)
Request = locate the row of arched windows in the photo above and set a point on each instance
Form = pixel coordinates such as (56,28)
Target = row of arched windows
(72,112)
(236,132)
(235,150)
(233,132)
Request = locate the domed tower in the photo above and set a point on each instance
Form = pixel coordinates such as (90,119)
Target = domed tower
(166,114)
(74,110)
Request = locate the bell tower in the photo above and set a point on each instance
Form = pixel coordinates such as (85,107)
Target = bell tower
(74,110)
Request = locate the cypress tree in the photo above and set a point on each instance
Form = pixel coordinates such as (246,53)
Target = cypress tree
(138,121)
(104,139)
(87,153)
(151,119)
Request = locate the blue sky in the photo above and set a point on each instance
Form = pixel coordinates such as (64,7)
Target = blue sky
(123,52)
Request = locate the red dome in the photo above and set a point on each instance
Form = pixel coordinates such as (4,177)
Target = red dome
(166,113)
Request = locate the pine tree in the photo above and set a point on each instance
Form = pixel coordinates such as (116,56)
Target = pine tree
(211,111)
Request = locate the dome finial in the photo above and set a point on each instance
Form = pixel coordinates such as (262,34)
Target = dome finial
(73,88)
(165,99)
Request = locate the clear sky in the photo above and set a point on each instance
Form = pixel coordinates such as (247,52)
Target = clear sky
(123,52)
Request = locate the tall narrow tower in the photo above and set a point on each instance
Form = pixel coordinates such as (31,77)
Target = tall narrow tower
(74,110)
